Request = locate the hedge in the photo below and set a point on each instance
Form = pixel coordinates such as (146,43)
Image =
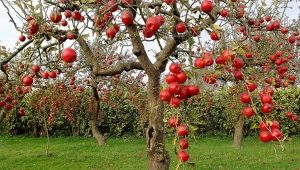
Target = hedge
(209,114)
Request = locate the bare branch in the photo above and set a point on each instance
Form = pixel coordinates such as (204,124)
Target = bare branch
(118,69)
(6,60)
(11,18)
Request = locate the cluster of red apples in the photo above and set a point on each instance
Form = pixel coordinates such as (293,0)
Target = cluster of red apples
(269,130)
(173,96)
(182,132)
(55,17)
(68,55)
(266,99)
(176,90)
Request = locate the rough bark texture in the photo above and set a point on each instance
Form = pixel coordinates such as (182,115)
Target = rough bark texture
(158,157)
(97,135)
(238,132)
(94,118)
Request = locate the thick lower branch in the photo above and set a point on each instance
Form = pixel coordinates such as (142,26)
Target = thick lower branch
(117,69)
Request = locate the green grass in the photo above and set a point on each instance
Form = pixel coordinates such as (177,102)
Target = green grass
(130,154)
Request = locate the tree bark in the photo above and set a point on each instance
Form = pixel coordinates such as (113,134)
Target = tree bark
(94,118)
(96,134)
(238,132)
(158,157)
(2,115)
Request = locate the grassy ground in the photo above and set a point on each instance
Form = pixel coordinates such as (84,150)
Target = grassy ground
(129,154)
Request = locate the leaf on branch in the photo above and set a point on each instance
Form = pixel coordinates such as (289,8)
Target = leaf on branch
(191,41)
(268,122)
(84,36)
(174,142)
(240,51)
(254,126)
(189,74)
(193,128)
(217,28)
(88,1)
(76,2)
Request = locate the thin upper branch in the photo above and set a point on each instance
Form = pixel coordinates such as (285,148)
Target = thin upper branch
(11,18)
(139,49)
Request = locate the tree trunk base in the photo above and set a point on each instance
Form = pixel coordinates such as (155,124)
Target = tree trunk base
(158,162)
(96,134)
(238,132)
(158,157)
(100,139)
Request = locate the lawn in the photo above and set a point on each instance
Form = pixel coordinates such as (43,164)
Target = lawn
(129,154)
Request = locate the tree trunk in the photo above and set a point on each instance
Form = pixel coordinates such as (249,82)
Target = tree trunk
(238,132)
(2,115)
(96,134)
(158,157)
(94,118)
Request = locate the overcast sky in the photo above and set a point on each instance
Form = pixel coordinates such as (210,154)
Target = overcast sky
(9,35)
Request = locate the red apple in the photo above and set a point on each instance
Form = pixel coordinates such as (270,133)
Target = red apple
(181,27)
(206,6)
(182,130)
(265,136)
(55,16)
(183,156)
(183,143)
(27,80)
(22,38)
(68,55)
(127,17)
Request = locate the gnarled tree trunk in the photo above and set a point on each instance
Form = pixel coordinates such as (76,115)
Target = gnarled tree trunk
(158,157)
(94,117)
(238,132)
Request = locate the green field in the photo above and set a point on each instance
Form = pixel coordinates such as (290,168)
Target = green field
(129,154)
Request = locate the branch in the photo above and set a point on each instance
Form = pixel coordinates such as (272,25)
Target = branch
(11,18)
(87,51)
(118,69)
(152,5)
(162,57)
(15,53)
(6,60)
(44,48)
(138,48)
(175,40)
(62,8)
(54,3)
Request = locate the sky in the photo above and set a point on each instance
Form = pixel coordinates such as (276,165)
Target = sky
(9,35)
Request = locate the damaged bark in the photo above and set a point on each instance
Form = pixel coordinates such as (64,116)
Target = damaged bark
(158,157)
